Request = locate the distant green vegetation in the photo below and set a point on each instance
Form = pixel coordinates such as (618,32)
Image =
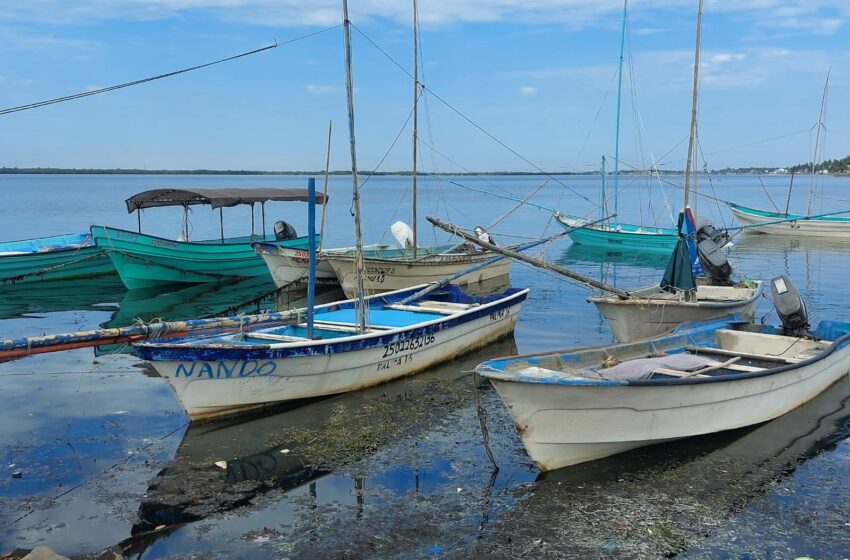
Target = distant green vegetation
(831,166)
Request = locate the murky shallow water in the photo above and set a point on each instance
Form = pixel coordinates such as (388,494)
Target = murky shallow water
(107,456)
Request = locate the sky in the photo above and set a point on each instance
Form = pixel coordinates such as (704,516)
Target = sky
(539,76)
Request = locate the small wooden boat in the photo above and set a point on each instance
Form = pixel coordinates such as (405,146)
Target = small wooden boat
(652,311)
(60,257)
(144,260)
(388,268)
(215,375)
(576,406)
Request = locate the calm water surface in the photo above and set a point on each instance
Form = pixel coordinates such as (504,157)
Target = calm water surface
(107,456)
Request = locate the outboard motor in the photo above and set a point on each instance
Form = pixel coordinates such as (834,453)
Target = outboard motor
(706,230)
(789,306)
(714,262)
(484,236)
(403,234)
(284,231)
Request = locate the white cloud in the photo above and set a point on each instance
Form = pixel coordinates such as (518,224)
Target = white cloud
(322,89)
(817,16)
(528,90)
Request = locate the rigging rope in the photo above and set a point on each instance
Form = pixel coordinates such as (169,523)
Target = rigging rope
(470,121)
(153,78)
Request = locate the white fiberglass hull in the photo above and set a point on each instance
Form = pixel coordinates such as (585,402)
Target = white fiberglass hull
(204,391)
(384,275)
(564,425)
(289,266)
(836,229)
(658,312)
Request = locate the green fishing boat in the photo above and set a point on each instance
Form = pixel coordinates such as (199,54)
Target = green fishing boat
(60,257)
(143,261)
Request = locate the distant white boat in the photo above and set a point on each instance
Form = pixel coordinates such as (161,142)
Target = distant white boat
(290,266)
(762,221)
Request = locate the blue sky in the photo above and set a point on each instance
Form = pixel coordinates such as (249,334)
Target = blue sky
(539,75)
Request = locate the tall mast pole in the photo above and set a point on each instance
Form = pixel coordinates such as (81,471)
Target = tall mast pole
(359,267)
(692,136)
(415,111)
(817,143)
(619,96)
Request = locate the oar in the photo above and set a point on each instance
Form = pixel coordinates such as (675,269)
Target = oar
(535,262)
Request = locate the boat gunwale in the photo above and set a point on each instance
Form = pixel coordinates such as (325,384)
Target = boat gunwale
(639,230)
(236,352)
(205,243)
(493,373)
(639,300)
(790,218)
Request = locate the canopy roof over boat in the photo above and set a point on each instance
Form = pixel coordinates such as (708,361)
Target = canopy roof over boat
(216,198)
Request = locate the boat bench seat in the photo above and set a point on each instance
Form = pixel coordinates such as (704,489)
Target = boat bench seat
(743,355)
(276,337)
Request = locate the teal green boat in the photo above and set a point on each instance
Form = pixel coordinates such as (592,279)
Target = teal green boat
(614,235)
(144,261)
(60,257)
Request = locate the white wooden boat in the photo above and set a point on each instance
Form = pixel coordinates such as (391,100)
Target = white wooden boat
(225,373)
(762,221)
(653,311)
(705,377)
(389,269)
(290,265)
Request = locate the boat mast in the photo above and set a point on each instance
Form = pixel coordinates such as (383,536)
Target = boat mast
(817,143)
(415,112)
(619,95)
(327,172)
(359,268)
(692,136)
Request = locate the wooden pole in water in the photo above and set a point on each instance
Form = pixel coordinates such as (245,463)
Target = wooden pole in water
(539,263)
(327,172)
(359,266)
(415,113)
(693,132)
(221,222)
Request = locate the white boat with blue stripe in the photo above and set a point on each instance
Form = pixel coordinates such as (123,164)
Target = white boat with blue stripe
(225,373)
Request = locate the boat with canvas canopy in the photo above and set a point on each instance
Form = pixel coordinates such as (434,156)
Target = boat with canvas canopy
(59,257)
(705,377)
(145,260)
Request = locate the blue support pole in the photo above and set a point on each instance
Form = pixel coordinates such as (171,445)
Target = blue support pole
(311,239)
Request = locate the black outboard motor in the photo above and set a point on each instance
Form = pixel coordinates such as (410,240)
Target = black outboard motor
(284,231)
(714,262)
(707,231)
(789,306)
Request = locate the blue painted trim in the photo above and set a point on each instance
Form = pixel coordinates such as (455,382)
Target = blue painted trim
(174,351)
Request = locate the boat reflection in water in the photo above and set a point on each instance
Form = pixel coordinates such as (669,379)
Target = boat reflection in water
(179,302)
(673,498)
(60,295)
(225,464)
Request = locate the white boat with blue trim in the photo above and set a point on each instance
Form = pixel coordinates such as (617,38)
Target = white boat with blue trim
(227,373)
(577,406)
